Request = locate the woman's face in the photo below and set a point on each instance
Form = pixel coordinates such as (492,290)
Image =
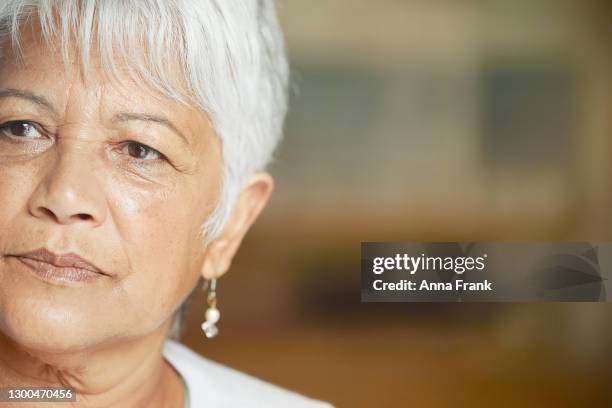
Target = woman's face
(114,174)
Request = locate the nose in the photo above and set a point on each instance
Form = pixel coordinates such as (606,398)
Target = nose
(68,191)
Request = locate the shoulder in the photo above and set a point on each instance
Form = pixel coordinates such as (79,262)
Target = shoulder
(213,384)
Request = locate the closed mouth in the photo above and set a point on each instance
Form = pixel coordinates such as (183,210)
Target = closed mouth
(52,272)
(69,266)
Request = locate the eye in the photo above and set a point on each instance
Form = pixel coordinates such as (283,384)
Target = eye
(143,152)
(20,129)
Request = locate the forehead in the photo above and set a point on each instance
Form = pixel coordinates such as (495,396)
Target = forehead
(39,67)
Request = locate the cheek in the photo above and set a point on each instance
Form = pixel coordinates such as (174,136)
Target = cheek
(15,187)
(158,230)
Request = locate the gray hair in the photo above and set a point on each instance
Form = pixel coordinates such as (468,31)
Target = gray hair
(231,55)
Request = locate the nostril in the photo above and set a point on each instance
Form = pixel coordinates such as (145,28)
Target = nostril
(48,212)
(62,218)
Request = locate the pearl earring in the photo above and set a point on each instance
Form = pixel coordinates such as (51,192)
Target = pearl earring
(212,313)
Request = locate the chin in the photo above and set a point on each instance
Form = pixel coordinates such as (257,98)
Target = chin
(41,316)
(43,326)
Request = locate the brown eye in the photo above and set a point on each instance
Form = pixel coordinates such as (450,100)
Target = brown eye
(20,129)
(142,152)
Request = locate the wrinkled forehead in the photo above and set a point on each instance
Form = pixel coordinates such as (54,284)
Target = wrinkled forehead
(36,43)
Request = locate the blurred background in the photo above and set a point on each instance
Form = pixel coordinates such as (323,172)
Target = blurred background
(414,120)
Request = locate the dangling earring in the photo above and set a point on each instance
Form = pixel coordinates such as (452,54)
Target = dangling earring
(212,313)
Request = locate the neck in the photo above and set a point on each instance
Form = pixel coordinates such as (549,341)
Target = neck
(127,374)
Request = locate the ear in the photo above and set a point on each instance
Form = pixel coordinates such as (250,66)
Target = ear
(249,204)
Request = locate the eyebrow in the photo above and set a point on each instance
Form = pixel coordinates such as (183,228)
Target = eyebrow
(120,117)
(38,100)
(146,117)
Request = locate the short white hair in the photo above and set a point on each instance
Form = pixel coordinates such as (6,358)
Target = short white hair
(231,54)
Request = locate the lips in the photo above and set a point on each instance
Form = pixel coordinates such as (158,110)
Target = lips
(65,261)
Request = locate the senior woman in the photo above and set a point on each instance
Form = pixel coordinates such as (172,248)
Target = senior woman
(134,137)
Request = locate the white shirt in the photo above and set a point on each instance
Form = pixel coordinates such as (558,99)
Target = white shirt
(214,385)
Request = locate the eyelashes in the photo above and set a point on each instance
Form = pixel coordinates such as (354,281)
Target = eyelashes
(141,151)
